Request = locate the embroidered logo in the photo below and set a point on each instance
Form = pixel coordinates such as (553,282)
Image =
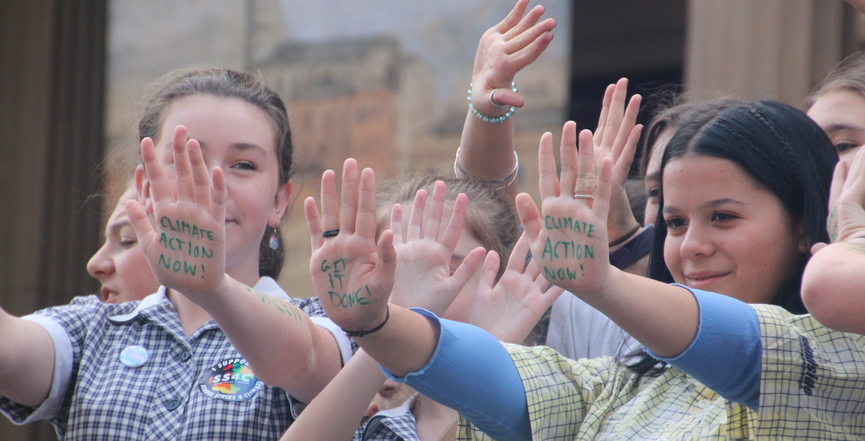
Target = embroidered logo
(809,367)
(229,380)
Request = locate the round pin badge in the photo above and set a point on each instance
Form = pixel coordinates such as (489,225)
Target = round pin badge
(133,356)
(229,380)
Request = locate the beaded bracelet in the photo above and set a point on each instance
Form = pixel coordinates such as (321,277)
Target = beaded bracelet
(491,119)
(510,178)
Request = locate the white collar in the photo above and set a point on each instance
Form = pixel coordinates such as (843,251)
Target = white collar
(265,285)
(401,410)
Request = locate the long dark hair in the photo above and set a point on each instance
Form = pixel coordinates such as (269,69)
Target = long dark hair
(782,150)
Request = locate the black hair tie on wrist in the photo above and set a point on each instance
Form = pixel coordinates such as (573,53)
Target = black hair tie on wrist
(364,332)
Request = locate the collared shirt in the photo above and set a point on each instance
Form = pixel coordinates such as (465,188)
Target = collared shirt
(187,388)
(396,424)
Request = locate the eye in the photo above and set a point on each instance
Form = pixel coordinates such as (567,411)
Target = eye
(844,146)
(722,217)
(245,165)
(675,223)
(653,193)
(128,242)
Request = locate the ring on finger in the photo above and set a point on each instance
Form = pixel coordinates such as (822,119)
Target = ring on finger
(585,187)
(493,101)
(329,233)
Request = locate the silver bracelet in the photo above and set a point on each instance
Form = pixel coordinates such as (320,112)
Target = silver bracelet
(510,178)
(491,119)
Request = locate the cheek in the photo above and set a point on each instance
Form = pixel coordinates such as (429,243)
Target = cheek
(134,273)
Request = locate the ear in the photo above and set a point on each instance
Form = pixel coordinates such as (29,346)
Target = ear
(142,187)
(804,244)
(280,204)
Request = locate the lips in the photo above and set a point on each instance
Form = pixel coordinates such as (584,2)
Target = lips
(108,295)
(703,279)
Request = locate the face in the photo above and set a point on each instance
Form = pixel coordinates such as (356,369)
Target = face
(652,180)
(239,138)
(841,113)
(120,264)
(726,233)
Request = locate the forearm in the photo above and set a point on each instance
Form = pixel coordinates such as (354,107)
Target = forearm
(280,342)
(28,361)
(664,318)
(832,286)
(487,152)
(348,396)
(473,373)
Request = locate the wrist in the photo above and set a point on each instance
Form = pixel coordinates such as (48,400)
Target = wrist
(364,331)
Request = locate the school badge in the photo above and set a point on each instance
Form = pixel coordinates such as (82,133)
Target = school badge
(229,380)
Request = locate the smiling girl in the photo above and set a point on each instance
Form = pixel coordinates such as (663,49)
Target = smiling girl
(213,185)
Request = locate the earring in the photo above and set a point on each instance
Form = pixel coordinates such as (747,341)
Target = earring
(274,241)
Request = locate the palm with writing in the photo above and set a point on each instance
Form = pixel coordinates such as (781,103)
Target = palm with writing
(504,50)
(510,308)
(185,244)
(424,253)
(351,273)
(568,237)
(616,138)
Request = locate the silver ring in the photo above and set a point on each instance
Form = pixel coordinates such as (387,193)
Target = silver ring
(493,102)
(583,196)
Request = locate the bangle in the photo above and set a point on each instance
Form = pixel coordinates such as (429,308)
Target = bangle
(506,181)
(491,119)
(625,237)
(364,332)
(634,250)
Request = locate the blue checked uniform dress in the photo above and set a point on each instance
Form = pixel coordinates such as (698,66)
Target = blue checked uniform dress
(96,397)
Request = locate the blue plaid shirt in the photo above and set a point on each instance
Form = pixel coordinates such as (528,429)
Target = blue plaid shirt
(172,395)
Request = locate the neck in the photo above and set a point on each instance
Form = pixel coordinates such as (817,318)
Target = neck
(191,315)
(433,419)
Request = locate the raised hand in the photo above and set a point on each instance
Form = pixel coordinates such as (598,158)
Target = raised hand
(352,274)
(616,138)
(510,308)
(185,245)
(504,50)
(424,253)
(847,200)
(568,237)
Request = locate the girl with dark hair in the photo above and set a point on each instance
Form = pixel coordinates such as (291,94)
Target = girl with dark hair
(214,183)
(534,392)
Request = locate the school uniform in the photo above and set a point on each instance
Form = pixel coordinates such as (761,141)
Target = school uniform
(105,387)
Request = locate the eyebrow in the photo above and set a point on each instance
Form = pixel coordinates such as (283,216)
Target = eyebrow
(241,146)
(715,203)
(652,176)
(840,127)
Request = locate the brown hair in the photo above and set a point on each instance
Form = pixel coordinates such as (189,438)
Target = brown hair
(489,218)
(849,75)
(226,83)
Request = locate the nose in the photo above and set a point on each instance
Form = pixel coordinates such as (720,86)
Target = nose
(101,265)
(697,242)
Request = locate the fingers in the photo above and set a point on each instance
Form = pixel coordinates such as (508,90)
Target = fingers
(627,126)
(396,223)
(548,182)
(517,41)
(182,166)
(626,156)
(617,108)
(489,271)
(601,204)
(570,163)
(530,216)
(856,174)
(160,187)
(415,220)
(329,205)
(433,218)
(139,220)
(585,158)
(366,205)
(605,112)
(466,270)
(839,176)
(387,254)
(349,201)
(313,222)
(201,179)
(517,260)
(455,225)
(217,201)
(513,17)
